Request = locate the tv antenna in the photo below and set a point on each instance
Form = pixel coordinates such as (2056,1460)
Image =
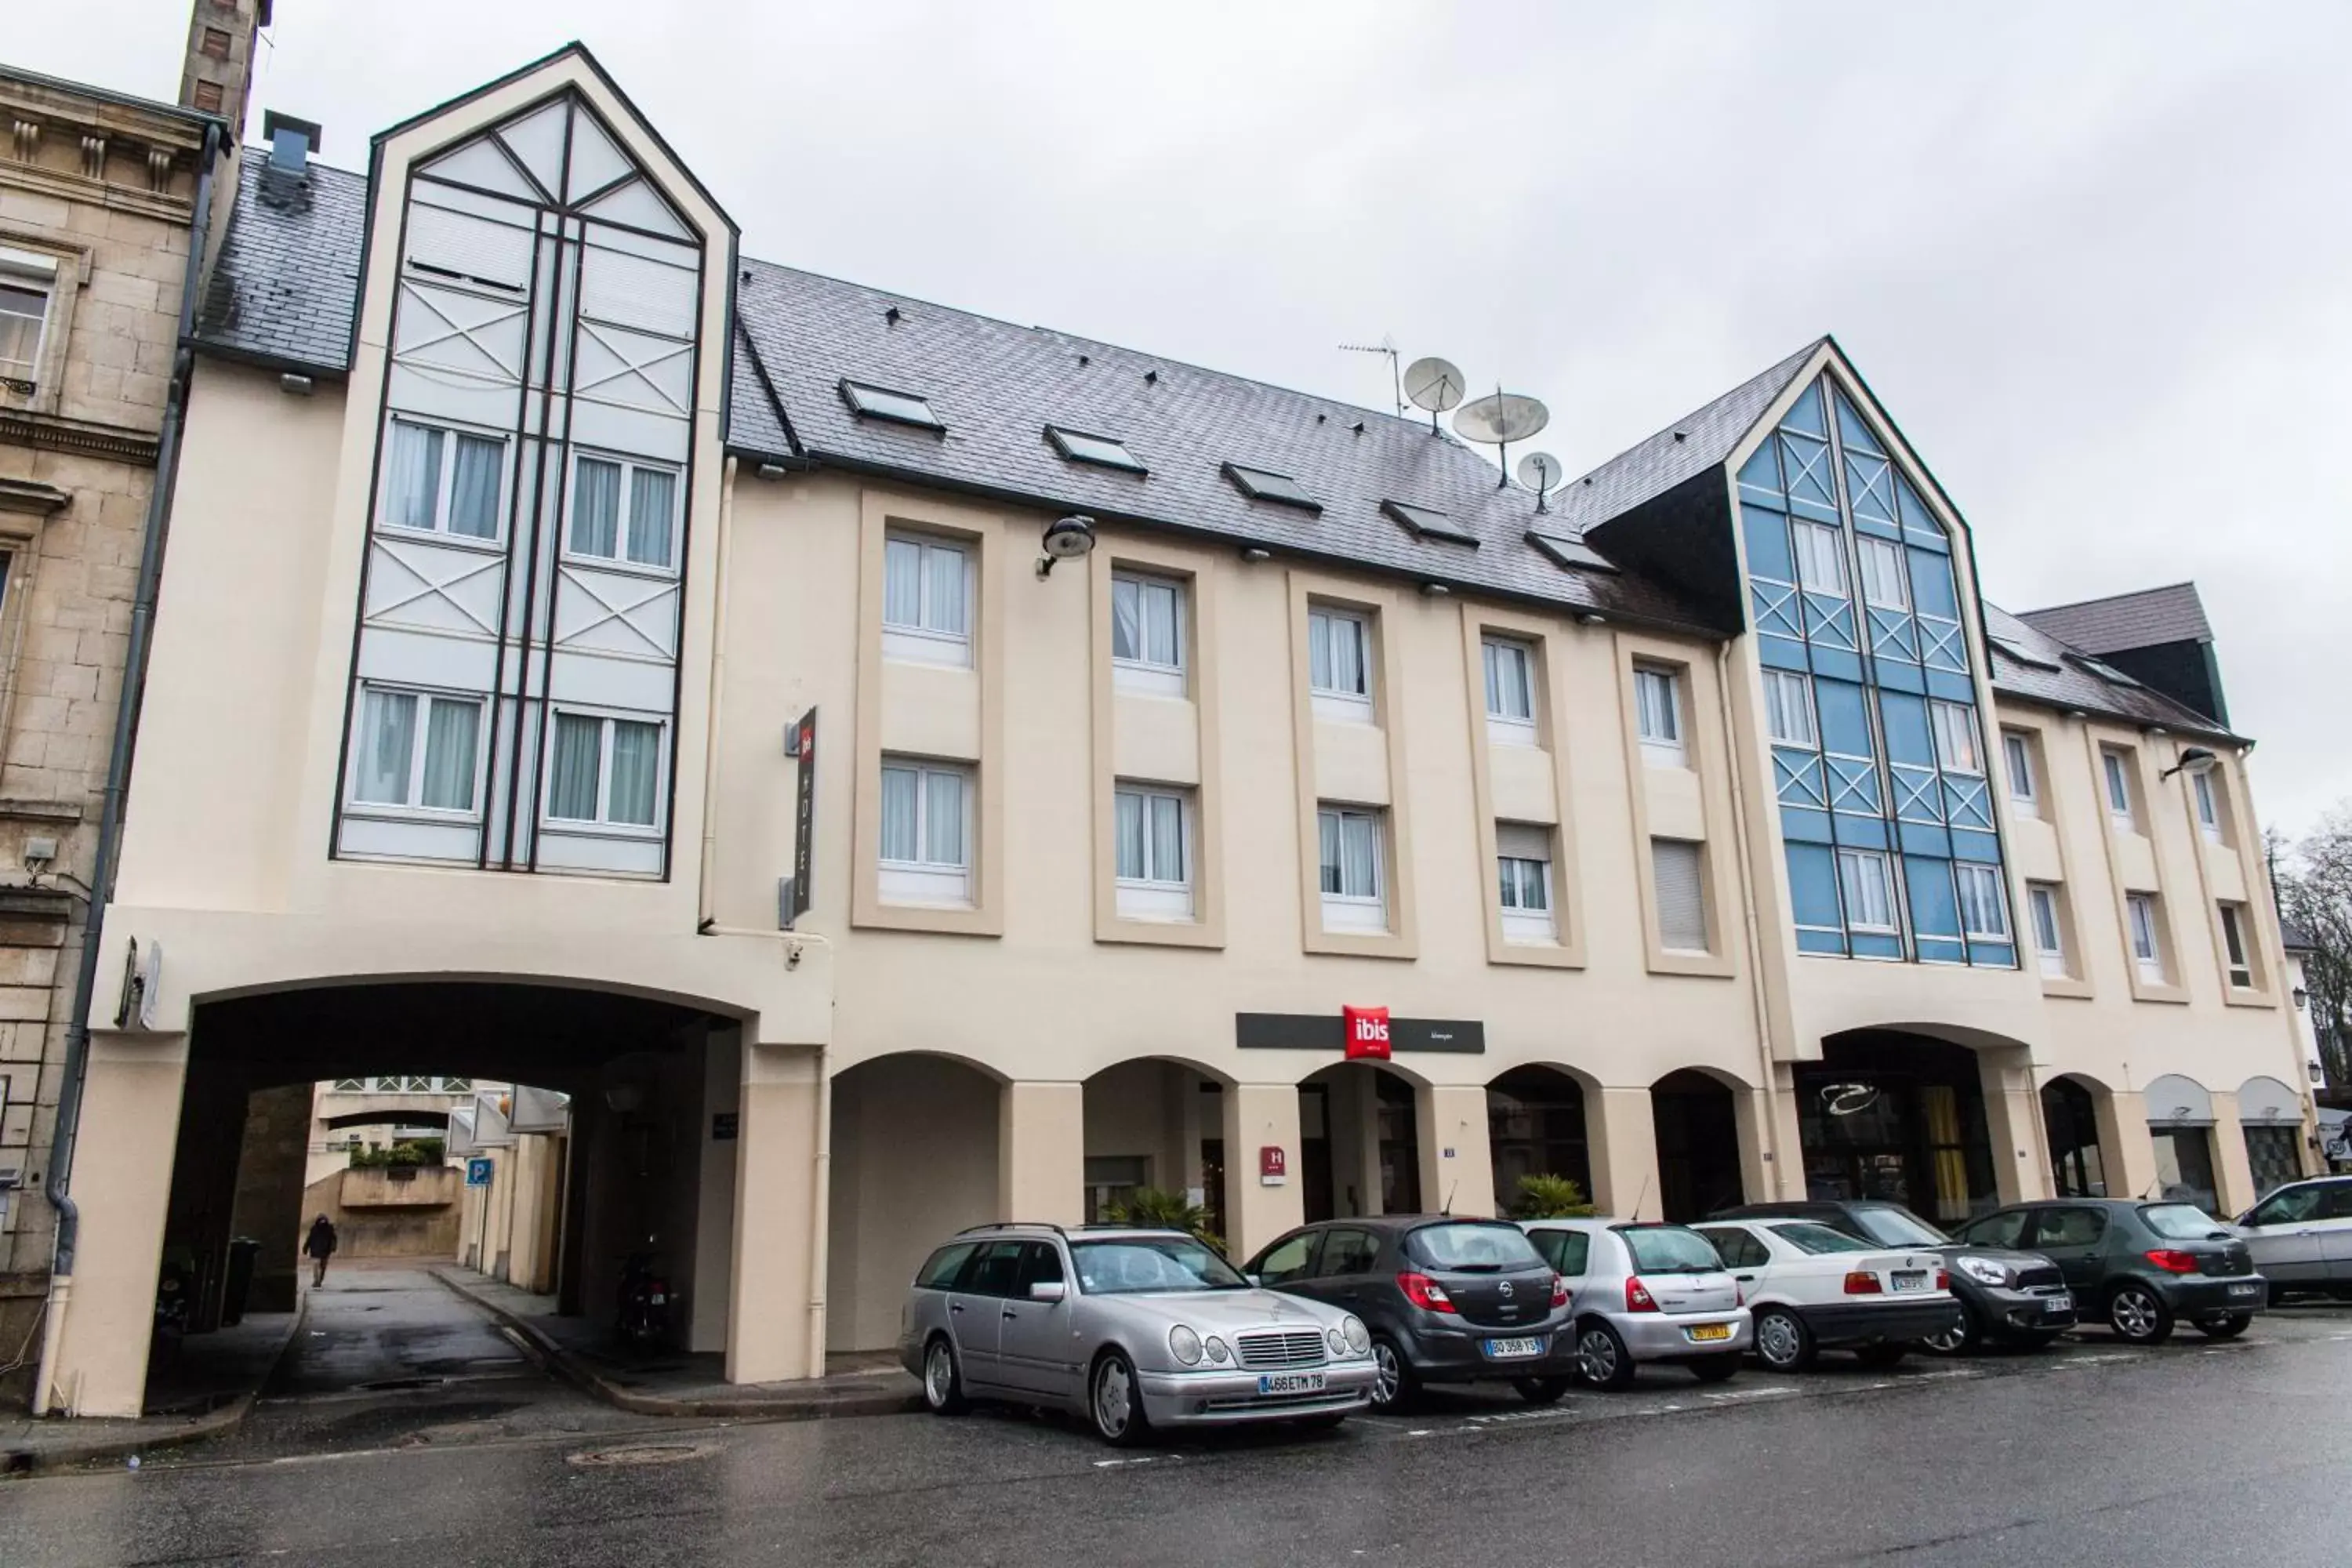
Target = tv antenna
(1539,471)
(1435,384)
(1498,419)
(1385,346)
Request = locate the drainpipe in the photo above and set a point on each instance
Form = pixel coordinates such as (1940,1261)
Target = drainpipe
(117,780)
(1769,1122)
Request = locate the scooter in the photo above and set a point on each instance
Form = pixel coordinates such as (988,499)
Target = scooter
(643,1318)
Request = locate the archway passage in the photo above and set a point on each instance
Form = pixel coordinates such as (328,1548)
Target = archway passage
(1155,1125)
(1358,1143)
(2078,1167)
(1893,1115)
(1697,1127)
(1536,1127)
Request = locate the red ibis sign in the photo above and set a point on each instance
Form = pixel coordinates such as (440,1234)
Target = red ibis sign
(1367,1029)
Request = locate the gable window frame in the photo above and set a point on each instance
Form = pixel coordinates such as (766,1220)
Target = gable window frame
(1884,572)
(423,738)
(1507,666)
(1352,855)
(937,872)
(2024,780)
(1958,748)
(1983,902)
(941,628)
(1819,550)
(1866,885)
(2049,928)
(450,440)
(627,493)
(1789,717)
(613,726)
(1340,653)
(1149,615)
(1658,715)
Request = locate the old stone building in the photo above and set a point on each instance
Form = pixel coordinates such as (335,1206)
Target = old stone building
(99,197)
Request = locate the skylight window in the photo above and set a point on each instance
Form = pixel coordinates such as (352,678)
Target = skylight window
(2102,669)
(1100,450)
(1260,484)
(2018,651)
(1572,553)
(881,403)
(1425,522)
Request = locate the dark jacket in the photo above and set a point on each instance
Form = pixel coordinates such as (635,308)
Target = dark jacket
(321,1242)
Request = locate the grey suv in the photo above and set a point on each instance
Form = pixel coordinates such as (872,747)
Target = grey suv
(1133,1328)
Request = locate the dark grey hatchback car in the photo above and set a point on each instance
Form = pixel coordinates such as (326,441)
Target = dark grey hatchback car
(2143,1267)
(1447,1300)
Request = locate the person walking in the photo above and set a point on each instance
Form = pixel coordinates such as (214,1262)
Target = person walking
(319,1246)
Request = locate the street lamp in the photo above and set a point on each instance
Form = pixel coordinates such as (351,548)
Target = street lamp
(2195,761)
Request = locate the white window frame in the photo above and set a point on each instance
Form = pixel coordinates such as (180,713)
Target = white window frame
(1142,673)
(419,737)
(1789,696)
(923,640)
(35,275)
(2238,969)
(1954,727)
(1697,849)
(1852,865)
(1888,586)
(1658,715)
(1523,860)
(2025,784)
(602,825)
(1818,544)
(439,530)
(1504,727)
(1152,896)
(2041,909)
(2114,774)
(1334,702)
(937,884)
(2145,935)
(1355,913)
(2206,797)
(619,561)
(1989,901)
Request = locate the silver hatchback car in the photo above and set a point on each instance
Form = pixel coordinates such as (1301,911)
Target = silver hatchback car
(1132,1328)
(1646,1293)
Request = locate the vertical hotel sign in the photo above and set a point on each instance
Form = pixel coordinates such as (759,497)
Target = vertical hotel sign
(800,742)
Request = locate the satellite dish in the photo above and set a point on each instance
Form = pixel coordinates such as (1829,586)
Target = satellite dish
(1435,384)
(1539,471)
(1501,418)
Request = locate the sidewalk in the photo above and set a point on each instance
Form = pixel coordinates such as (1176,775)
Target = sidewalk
(198,1388)
(681,1382)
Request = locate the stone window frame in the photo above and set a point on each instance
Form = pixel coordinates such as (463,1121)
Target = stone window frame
(73,263)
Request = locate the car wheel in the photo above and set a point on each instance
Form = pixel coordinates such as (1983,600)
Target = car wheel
(1961,1337)
(1602,1359)
(1540,1390)
(2227,1327)
(1393,1383)
(2138,1314)
(943,1379)
(1782,1341)
(1115,1401)
(1882,1355)
(1716,1368)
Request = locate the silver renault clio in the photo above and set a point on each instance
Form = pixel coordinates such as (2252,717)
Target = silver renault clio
(1133,1328)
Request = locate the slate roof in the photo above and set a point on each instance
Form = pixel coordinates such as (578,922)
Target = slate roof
(288,277)
(2146,619)
(2040,667)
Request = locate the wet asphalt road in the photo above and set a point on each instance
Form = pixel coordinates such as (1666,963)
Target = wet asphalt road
(2193,1453)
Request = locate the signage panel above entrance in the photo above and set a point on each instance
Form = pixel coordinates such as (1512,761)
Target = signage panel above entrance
(1328,1032)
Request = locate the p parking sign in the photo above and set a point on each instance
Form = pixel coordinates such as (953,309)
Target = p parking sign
(477,1173)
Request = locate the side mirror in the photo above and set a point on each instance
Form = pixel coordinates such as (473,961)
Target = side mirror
(1048,1290)
(2245,1219)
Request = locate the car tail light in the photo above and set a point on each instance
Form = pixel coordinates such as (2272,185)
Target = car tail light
(2172,1260)
(1943,1278)
(1559,1292)
(1424,1293)
(1862,1282)
(1638,1298)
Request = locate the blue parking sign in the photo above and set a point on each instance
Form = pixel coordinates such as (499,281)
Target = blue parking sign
(477,1173)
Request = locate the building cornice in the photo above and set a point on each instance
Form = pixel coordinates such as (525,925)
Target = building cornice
(51,433)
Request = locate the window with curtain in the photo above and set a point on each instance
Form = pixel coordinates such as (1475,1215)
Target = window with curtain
(24,319)
(413,476)
(2049,946)
(1820,558)
(443,481)
(1789,709)
(1955,729)
(1523,875)
(1984,913)
(1354,887)
(1339,668)
(2139,914)
(926,600)
(604,770)
(2208,805)
(2234,943)
(1657,711)
(416,749)
(1883,580)
(925,839)
(1869,890)
(623,511)
(2115,770)
(1151,851)
(1510,680)
(1147,633)
(2024,792)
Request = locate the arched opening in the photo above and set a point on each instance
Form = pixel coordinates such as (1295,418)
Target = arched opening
(1358,1143)
(2272,1116)
(2078,1167)
(1890,1114)
(2180,1125)
(914,1160)
(1536,1127)
(1155,1125)
(1696,1123)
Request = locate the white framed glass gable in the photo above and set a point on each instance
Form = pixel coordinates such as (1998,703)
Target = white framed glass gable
(530,532)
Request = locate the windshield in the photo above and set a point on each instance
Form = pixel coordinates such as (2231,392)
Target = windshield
(2182,1222)
(1806,1237)
(1897,1227)
(1132,1266)
(1669,1249)
(1464,1248)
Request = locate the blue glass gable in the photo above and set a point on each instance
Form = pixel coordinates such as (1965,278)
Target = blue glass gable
(1885,805)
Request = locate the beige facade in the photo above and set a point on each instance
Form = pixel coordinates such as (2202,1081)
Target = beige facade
(990,1020)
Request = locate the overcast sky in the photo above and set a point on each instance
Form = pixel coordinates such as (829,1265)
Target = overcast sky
(2092,257)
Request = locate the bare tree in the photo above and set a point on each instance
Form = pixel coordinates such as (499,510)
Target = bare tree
(2314,893)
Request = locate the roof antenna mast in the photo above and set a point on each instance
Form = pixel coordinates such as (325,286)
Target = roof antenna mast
(1387,345)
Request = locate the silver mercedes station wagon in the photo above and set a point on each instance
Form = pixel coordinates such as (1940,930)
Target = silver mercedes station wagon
(1133,1328)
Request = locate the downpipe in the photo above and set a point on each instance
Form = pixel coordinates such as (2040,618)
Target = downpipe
(1767,1128)
(59,1183)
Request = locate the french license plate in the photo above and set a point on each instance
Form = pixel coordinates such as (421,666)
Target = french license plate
(2061,1303)
(1290,1382)
(2246,1287)
(1708,1333)
(658,1299)
(1910,1278)
(1507,1349)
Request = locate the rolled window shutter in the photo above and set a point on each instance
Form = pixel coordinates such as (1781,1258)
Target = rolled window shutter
(1682,900)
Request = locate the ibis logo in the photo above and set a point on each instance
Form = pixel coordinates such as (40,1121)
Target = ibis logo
(1367,1029)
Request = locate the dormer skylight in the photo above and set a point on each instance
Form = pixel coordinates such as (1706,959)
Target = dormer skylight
(2102,669)
(1570,554)
(1428,523)
(1099,451)
(2018,651)
(881,403)
(1261,484)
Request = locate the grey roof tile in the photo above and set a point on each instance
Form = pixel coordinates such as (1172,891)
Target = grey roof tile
(2040,667)
(288,279)
(2120,621)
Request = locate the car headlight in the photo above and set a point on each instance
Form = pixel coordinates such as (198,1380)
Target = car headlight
(1184,1345)
(1359,1338)
(1337,1337)
(1983,1270)
(1217,1350)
